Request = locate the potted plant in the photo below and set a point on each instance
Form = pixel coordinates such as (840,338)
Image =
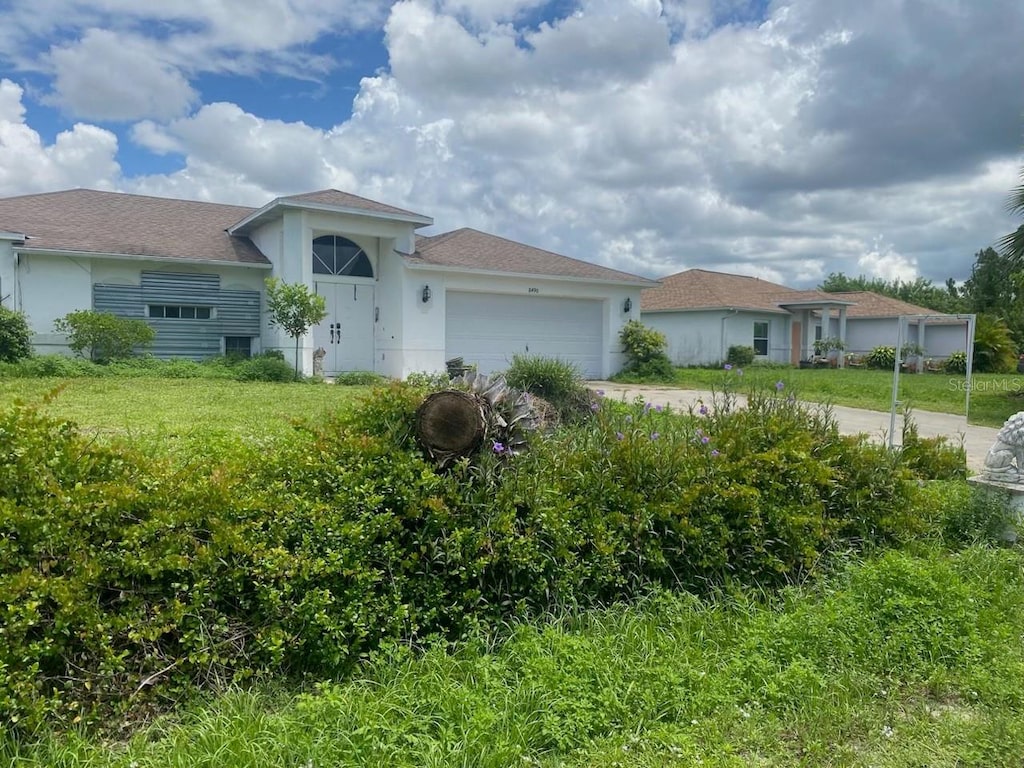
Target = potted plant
(826,350)
(911,354)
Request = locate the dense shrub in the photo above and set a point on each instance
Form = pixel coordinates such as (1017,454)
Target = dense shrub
(645,350)
(956,363)
(126,578)
(932,458)
(556,381)
(882,357)
(105,335)
(357,378)
(740,355)
(994,350)
(15,336)
(267,367)
(641,343)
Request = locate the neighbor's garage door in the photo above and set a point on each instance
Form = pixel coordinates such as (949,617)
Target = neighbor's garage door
(487,329)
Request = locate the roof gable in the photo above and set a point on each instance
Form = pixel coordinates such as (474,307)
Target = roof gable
(471,249)
(331,201)
(338,199)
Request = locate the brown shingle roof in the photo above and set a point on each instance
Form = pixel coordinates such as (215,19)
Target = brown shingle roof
(338,199)
(90,221)
(871,304)
(703,289)
(472,249)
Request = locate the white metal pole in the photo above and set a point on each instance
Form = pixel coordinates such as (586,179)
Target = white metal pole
(896,379)
(970,365)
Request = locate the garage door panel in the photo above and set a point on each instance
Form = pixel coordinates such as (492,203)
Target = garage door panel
(488,329)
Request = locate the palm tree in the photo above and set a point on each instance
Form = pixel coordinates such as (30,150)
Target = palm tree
(1012,246)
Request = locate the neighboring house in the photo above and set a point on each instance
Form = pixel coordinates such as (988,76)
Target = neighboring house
(872,318)
(703,313)
(397,302)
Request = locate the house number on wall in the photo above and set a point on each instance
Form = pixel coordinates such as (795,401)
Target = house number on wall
(533,290)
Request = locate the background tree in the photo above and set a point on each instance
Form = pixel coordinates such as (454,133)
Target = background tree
(996,288)
(294,308)
(920,291)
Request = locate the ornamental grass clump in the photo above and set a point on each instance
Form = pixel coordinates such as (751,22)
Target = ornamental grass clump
(554,381)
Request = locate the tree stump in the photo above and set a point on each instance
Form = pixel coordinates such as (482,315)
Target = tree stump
(451,424)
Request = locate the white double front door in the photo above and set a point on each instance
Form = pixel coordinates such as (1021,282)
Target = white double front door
(346,333)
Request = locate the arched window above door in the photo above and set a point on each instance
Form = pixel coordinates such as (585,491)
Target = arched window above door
(336,255)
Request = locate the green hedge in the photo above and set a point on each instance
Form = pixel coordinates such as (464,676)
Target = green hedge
(268,366)
(127,578)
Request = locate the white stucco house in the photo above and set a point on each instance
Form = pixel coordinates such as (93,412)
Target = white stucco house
(702,313)
(397,302)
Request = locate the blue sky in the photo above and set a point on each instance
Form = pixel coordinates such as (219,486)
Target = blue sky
(782,139)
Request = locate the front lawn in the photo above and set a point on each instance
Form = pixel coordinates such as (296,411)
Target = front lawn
(994,396)
(179,407)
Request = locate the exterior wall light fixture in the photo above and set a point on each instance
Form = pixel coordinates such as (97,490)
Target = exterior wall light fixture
(627,305)
(426,294)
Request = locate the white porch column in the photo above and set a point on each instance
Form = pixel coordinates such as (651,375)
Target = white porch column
(842,335)
(805,334)
(920,342)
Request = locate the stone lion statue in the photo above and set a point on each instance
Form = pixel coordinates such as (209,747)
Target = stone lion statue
(1005,459)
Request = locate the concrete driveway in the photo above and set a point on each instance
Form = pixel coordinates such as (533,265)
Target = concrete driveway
(976,440)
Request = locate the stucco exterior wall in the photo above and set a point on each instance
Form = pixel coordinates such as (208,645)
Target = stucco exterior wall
(864,334)
(703,337)
(51,286)
(288,245)
(8,286)
(393,306)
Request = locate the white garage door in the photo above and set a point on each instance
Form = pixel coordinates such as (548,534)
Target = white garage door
(487,329)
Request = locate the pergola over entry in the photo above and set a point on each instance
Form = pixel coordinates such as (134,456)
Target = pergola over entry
(802,305)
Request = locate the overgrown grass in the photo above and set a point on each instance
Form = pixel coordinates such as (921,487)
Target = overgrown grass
(904,660)
(994,398)
(176,408)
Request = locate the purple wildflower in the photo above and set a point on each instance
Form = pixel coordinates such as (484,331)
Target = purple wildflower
(659,408)
(779,385)
(704,440)
(714,452)
(499,448)
(647,408)
(619,436)
(728,366)
(594,407)
(600,393)
(655,435)
(703,410)
(629,418)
